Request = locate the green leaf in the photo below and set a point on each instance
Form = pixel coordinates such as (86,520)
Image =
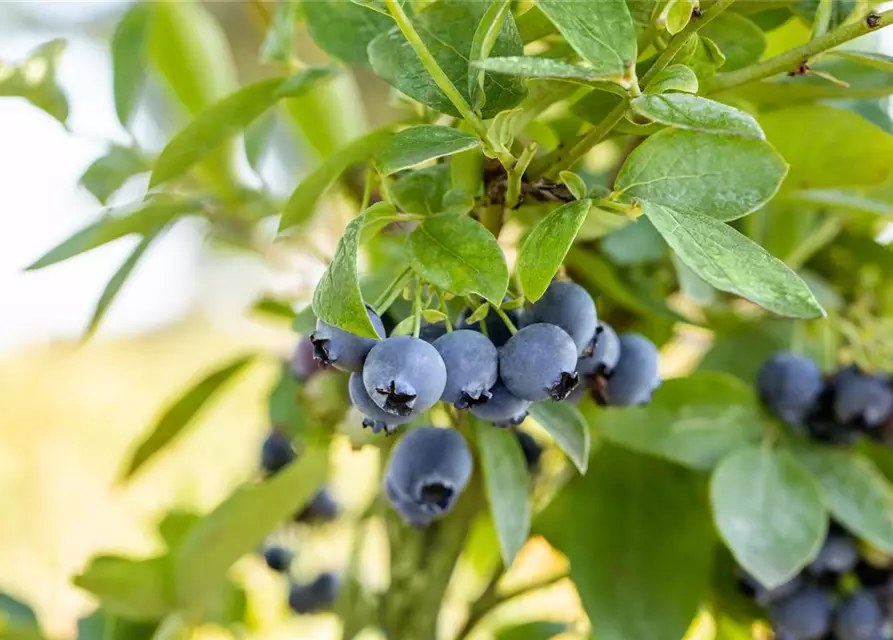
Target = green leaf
(137,589)
(240,523)
(857,494)
(377,217)
(113,288)
(419,144)
(743,350)
(694,421)
(180,414)
(507,484)
(732,262)
(636,242)
(769,511)
(105,625)
(478,314)
(541,630)
(226,118)
(344,29)
(692,285)
(107,174)
(129,51)
(843,200)
(35,80)
(422,191)
(546,246)
(602,33)
(148,217)
(638,536)
(257,138)
(678,15)
(305,321)
(840,11)
(284,405)
(574,183)
(482,44)
(337,299)
(299,208)
(530,67)
(695,113)
(279,43)
(828,147)
(457,254)
(568,428)
(17,620)
(724,177)
(447,29)
(869,58)
(676,77)
(742,41)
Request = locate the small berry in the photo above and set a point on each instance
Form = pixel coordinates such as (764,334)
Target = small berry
(429,332)
(605,353)
(539,362)
(472,364)
(862,400)
(341,349)
(503,409)
(278,558)
(404,376)
(276,453)
(322,508)
(805,615)
(569,306)
(636,375)
(315,596)
(859,617)
(374,416)
(303,362)
(789,386)
(838,555)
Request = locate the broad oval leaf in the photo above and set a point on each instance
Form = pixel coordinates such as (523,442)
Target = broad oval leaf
(137,589)
(676,77)
(240,523)
(457,254)
(844,201)
(337,299)
(695,113)
(507,484)
(546,246)
(602,33)
(828,147)
(770,513)
(870,58)
(226,118)
(567,426)
(180,414)
(422,191)
(732,262)
(694,421)
(724,177)
(639,539)
(857,494)
(107,174)
(344,29)
(299,208)
(129,54)
(740,39)
(531,67)
(447,29)
(482,44)
(416,145)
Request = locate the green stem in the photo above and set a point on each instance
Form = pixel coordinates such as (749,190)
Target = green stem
(446,314)
(516,174)
(442,80)
(387,297)
(417,309)
(367,189)
(791,59)
(491,218)
(508,323)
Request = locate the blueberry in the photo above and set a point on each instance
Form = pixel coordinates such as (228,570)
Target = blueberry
(605,353)
(530,448)
(428,469)
(303,362)
(404,376)
(838,555)
(472,364)
(805,615)
(343,350)
(862,399)
(374,416)
(764,596)
(322,508)
(497,331)
(276,453)
(278,558)
(429,332)
(539,362)
(569,306)
(636,375)
(315,596)
(859,617)
(789,386)
(503,408)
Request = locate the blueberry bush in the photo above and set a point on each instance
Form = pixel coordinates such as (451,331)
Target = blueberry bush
(715,175)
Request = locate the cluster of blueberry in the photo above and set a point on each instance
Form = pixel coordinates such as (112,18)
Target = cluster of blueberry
(840,596)
(837,409)
(320,593)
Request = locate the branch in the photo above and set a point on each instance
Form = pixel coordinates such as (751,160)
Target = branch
(791,59)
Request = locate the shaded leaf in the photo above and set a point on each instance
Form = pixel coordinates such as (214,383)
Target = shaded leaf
(844,201)
(17,620)
(35,80)
(869,58)
(507,484)
(676,77)
(416,145)
(769,511)
(485,35)
(422,191)
(279,43)
(107,174)
(105,625)
(531,67)
(695,113)
(138,589)
(741,41)
(330,21)
(565,423)
(457,254)
(129,53)
(541,630)
(182,413)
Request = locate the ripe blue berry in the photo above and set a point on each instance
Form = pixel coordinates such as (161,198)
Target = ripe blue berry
(428,469)
(303,362)
(404,376)
(315,596)
(605,353)
(860,617)
(636,375)
(789,386)
(278,558)
(276,453)
(764,596)
(472,365)
(838,555)
(806,615)
(374,416)
(343,350)
(322,508)
(429,332)
(503,408)
(539,362)
(569,306)
(497,331)
(862,400)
